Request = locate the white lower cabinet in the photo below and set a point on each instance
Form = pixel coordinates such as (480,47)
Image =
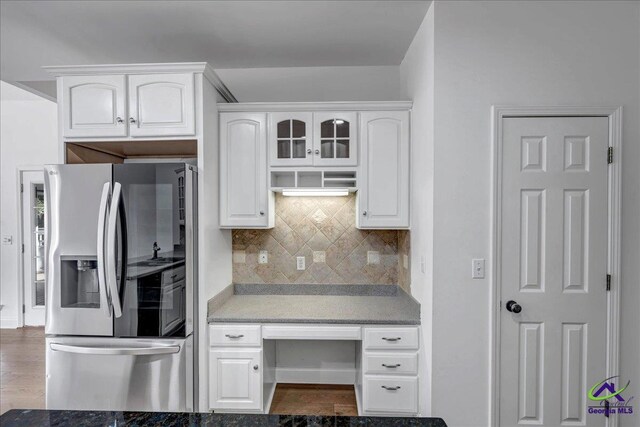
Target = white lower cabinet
(235,379)
(243,367)
(395,394)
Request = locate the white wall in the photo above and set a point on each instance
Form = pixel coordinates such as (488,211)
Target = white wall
(417,76)
(313,84)
(28,137)
(520,53)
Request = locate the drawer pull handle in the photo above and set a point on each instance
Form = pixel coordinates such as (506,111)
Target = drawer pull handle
(391,388)
(397,365)
(391,339)
(173,276)
(234,336)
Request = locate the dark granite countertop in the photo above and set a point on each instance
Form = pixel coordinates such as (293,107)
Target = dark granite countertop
(330,304)
(38,417)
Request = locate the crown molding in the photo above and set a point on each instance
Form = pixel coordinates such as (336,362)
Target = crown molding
(316,106)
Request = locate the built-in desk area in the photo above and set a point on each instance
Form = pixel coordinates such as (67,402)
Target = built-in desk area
(365,335)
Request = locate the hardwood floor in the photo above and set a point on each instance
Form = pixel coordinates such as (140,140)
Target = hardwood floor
(22,381)
(314,399)
(22,368)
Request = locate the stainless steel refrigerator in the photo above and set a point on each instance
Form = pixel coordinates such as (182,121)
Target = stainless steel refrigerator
(120,278)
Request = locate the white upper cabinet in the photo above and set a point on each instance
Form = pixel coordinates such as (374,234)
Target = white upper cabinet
(335,139)
(94,106)
(244,196)
(135,105)
(290,139)
(383,195)
(161,105)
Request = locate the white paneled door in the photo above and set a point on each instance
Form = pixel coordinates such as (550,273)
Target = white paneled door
(553,269)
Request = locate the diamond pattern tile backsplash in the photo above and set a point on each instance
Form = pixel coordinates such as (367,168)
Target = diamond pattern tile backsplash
(322,230)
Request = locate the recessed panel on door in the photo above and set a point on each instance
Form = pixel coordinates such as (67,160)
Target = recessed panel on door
(94,106)
(161,105)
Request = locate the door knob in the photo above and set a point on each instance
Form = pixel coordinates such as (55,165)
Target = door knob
(317,152)
(119,120)
(513,307)
(308,150)
(255,367)
(132,120)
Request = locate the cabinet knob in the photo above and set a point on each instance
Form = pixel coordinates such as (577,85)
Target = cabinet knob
(132,120)
(364,213)
(317,152)
(262,213)
(119,120)
(309,150)
(255,367)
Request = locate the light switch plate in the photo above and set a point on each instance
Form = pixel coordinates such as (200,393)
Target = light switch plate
(477,266)
(300,261)
(7,239)
(263,257)
(373,257)
(319,256)
(405,261)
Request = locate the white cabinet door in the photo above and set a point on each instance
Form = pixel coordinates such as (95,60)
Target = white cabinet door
(290,139)
(335,139)
(244,197)
(235,379)
(93,106)
(383,197)
(161,105)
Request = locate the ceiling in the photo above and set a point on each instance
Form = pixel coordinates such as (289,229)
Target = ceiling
(227,34)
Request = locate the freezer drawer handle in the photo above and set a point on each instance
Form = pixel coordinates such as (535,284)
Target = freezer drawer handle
(234,336)
(391,339)
(116,351)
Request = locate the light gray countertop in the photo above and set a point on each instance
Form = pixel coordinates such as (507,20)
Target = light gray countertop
(340,304)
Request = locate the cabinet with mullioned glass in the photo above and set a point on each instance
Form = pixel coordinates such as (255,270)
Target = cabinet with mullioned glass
(290,139)
(335,139)
(313,139)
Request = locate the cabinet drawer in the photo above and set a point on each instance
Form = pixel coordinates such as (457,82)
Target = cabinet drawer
(391,363)
(390,394)
(235,335)
(391,338)
(173,275)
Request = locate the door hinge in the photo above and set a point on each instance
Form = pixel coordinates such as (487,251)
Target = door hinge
(608,282)
(22,248)
(610,155)
(23,308)
(22,188)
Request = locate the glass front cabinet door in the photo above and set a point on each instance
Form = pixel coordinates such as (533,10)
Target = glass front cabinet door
(290,141)
(335,139)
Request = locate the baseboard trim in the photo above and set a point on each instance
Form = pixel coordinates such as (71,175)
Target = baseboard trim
(8,323)
(315,376)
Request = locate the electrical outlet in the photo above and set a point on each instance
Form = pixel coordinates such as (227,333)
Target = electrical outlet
(7,240)
(405,261)
(373,257)
(300,261)
(477,266)
(263,257)
(319,256)
(239,257)
(423,264)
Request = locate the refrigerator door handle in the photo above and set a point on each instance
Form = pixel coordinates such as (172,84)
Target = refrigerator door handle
(102,217)
(116,351)
(112,281)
